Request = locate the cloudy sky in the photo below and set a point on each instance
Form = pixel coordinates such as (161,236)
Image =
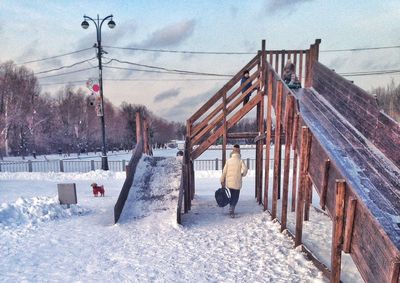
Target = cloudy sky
(33,30)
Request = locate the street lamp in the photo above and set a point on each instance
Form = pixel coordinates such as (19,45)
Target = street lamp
(98,24)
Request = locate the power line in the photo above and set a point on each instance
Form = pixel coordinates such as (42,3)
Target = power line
(179,51)
(167,69)
(361,49)
(65,67)
(240,52)
(56,56)
(67,73)
(135,80)
(369,73)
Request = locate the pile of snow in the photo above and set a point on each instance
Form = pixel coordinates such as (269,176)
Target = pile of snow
(32,211)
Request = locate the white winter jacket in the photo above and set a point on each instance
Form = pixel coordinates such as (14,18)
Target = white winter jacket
(233,172)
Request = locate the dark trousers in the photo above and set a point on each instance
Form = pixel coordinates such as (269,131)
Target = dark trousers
(234,197)
(246,99)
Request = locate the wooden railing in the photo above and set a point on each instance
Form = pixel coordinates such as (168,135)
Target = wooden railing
(358,228)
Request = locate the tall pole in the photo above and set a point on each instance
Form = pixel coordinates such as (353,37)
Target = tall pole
(98,24)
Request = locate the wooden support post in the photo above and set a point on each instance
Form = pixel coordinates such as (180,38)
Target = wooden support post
(307,198)
(268,138)
(303,173)
(289,111)
(145,137)
(307,71)
(348,231)
(225,131)
(138,127)
(257,180)
(325,179)
(260,148)
(295,159)
(192,187)
(277,152)
(301,66)
(282,62)
(337,231)
(261,128)
(395,272)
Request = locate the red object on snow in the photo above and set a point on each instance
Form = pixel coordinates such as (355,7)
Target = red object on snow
(98,190)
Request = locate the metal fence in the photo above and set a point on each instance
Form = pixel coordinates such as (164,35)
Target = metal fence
(216,164)
(91,165)
(59,166)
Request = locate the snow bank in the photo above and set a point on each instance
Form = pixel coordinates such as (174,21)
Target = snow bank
(32,211)
(54,176)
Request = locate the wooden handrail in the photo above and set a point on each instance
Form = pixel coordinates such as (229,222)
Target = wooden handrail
(201,125)
(219,94)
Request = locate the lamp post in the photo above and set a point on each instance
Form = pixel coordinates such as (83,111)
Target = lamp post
(98,24)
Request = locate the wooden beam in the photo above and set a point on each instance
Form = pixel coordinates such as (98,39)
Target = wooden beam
(257,171)
(138,128)
(289,111)
(225,131)
(268,138)
(325,184)
(201,125)
(300,205)
(294,174)
(348,231)
(307,198)
(395,272)
(232,121)
(277,152)
(337,231)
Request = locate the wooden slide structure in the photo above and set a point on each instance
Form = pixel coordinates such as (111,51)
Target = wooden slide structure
(337,141)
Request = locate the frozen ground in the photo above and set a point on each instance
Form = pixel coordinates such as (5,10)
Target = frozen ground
(54,243)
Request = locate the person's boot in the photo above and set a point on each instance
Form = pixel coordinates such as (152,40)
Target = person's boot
(232,211)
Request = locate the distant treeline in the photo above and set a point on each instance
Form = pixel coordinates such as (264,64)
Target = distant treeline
(32,121)
(389,99)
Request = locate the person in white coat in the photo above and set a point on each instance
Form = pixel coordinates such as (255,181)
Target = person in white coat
(232,174)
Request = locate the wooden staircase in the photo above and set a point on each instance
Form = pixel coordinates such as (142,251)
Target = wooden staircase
(336,140)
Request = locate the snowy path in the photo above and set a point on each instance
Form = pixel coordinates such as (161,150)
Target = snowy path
(148,245)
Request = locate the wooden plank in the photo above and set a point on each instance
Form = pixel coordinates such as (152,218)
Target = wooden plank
(282,63)
(260,148)
(300,206)
(277,152)
(233,120)
(289,112)
(324,185)
(348,231)
(268,138)
(395,273)
(257,171)
(225,131)
(307,198)
(192,178)
(337,231)
(138,128)
(294,147)
(301,66)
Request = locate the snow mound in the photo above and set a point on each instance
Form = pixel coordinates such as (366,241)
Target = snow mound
(59,176)
(32,211)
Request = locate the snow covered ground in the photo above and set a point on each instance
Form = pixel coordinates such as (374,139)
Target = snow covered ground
(43,241)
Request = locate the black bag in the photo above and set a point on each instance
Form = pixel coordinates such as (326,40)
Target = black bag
(222,196)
